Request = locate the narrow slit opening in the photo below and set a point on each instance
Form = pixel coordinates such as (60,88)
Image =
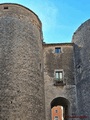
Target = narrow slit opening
(5,7)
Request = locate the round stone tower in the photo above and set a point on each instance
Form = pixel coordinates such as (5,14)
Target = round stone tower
(21,77)
(81,38)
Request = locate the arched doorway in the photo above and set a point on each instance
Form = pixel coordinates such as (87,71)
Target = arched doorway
(60,108)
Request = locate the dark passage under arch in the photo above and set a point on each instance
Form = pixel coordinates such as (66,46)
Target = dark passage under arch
(60,101)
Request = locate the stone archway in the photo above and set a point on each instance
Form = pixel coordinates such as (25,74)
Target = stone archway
(59,103)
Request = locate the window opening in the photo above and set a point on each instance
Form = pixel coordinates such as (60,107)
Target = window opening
(79,68)
(56,118)
(56,111)
(5,7)
(59,75)
(58,50)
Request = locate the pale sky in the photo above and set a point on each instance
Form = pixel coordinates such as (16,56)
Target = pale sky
(60,18)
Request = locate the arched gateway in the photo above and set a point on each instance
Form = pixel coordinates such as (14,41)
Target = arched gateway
(60,108)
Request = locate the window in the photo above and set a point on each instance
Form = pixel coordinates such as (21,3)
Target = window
(58,50)
(56,111)
(79,68)
(59,75)
(5,7)
(56,118)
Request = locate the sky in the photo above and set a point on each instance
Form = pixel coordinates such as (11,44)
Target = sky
(60,18)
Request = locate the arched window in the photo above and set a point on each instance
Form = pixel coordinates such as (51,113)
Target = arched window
(60,108)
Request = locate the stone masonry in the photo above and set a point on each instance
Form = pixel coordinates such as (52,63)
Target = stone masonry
(81,39)
(21,79)
(28,66)
(63,61)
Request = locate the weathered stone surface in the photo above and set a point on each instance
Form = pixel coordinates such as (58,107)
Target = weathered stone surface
(63,61)
(21,79)
(28,89)
(81,38)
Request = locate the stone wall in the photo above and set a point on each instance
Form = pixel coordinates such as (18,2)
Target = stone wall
(63,61)
(28,87)
(81,38)
(21,78)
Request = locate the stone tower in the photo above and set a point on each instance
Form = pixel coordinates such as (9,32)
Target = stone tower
(81,39)
(36,77)
(21,77)
(60,92)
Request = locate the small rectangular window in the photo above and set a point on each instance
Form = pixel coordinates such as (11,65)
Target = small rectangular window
(56,111)
(57,50)
(56,118)
(5,7)
(59,75)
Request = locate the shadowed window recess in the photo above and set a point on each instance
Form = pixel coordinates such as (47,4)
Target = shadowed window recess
(57,50)
(59,75)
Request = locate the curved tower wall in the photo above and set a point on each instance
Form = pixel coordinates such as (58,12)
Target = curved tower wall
(81,38)
(21,78)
